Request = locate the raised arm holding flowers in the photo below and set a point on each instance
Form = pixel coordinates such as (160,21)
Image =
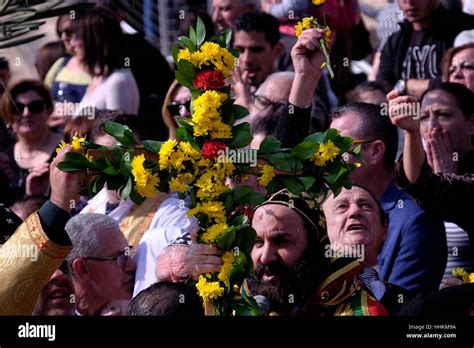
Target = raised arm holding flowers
(210,148)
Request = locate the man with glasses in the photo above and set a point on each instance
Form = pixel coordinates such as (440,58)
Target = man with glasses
(103,272)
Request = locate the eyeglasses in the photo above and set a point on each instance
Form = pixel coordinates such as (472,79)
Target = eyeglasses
(174,108)
(262,103)
(468,65)
(34,107)
(121,259)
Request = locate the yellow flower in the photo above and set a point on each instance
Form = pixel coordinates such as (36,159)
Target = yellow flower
(471,278)
(76,142)
(268,173)
(206,118)
(214,210)
(198,59)
(213,232)
(62,145)
(208,290)
(458,272)
(184,54)
(319,2)
(228,263)
(211,185)
(177,186)
(165,153)
(145,180)
(326,153)
(189,151)
(298,29)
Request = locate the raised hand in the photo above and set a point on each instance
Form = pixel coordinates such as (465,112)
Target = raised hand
(37,181)
(440,152)
(403,112)
(307,54)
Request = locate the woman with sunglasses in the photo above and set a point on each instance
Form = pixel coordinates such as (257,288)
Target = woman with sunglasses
(68,78)
(25,108)
(177,104)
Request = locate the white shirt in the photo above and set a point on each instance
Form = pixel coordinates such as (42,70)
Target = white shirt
(118,91)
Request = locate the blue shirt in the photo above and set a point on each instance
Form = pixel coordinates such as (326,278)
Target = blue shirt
(414,253)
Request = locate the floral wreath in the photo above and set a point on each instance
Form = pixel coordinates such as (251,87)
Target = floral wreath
(197,165)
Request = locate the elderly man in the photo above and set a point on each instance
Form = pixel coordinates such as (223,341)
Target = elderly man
(102,268)
(413,255)
(224,12)
(290,267)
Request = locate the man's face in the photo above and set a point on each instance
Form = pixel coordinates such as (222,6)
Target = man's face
(417,10)
(284,262)
(257,56)
(346,125)
(353,218)
(112,279)
(270,96)
(439,110)
(225,12)
(56,297)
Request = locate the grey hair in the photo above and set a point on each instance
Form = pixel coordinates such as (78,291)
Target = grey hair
(84,230)
(286,76)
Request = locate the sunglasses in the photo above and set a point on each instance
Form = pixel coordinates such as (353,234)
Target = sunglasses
(175,107)
(34,107)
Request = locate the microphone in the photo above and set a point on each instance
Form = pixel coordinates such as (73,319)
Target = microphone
(263,304)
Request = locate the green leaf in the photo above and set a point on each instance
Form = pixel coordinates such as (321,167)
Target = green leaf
(192,35)
(252,198)
(111,171)
(99,183)
(78,158)
(239,111)
(307,181)
(242,136)
(136,198)
(229,203)
(269,144)
(245,239)
(125,193)
(318,137)
(152,145)
(227,36)
(332,134)
(225,241)
(122,133)
(187,43)
(293,185)
(240,191)
(285,162)
(239,270)
(68,166)
(305,150)
(183,134)
(183,80)
(125,165)
(175,51)
(332,178)
(200,31)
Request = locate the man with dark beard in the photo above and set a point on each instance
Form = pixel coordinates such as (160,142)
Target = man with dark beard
(290,267)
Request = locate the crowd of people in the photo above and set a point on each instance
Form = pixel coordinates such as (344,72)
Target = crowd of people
(408,213)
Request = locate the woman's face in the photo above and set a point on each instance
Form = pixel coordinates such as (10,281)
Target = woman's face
(462,68)
(440,110)
(182,99)
(77,47)
(65,33)
(31,113)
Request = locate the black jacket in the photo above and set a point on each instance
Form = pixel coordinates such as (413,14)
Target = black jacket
(446,26)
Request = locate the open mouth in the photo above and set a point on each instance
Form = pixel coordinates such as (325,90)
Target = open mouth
(59,297)
(356,228)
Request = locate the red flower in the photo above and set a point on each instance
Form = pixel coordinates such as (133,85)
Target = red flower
(211,148)
(209,79)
